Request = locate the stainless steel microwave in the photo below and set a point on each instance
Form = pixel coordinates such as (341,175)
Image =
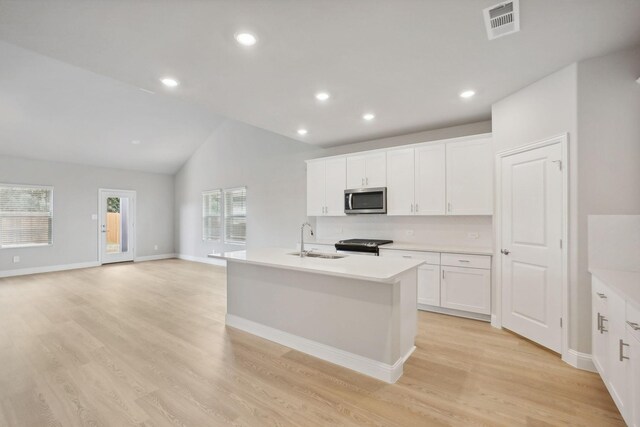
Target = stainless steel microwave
(365,201)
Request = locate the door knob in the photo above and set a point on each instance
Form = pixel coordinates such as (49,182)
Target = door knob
(505,252)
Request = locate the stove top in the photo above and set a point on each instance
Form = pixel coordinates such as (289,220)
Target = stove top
(364,242)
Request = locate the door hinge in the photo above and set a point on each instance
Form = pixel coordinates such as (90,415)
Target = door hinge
(559,162)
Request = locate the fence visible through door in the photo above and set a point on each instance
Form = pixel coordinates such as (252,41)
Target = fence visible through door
(117,214)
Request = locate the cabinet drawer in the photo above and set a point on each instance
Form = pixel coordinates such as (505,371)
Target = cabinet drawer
(461,260)
(432,258)
(633,320)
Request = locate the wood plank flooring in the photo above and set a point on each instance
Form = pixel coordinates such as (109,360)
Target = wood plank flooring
(145,345)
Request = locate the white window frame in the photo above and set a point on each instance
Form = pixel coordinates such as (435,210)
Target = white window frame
(44,187)
(224,216)
(206,192)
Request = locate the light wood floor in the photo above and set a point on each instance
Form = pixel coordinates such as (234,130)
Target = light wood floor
(145,344)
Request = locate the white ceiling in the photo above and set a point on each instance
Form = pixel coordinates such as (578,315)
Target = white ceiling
(404,60)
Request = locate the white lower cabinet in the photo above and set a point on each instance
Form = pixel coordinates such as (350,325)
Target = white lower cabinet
(466,289)
(443,284)
(429,285)
(616,348)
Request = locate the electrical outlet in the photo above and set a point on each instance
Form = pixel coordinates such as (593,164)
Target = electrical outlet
(16,259)
(155,248)
(94,217)
(473,235)
(409,232)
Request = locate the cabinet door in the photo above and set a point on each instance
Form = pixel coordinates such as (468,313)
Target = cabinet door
(315,188)
(634,380)
(400,164)
(376,170)
(618,366)
(470,177)
(356,171)
(430,176)
(429,285)
(600,335)
(335,180)
(466,289)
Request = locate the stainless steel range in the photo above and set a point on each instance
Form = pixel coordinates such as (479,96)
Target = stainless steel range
(361,246)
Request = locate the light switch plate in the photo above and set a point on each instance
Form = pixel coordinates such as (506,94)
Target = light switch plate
(409,232)
(155,248)
(94,217)
(473,235)
(16,259)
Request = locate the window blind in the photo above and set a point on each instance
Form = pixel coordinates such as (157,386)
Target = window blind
(235,215)
(26,215)
(212,215)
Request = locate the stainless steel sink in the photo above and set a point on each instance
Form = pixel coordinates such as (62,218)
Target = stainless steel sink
(318,255)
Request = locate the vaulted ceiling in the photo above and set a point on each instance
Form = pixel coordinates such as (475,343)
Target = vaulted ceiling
(71,71)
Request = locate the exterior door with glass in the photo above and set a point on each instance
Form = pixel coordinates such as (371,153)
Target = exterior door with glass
(117,225)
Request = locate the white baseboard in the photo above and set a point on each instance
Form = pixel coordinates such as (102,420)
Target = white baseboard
(579,360)
(494,322)
(373,368)
(47,269)
(204,260)
(451,312)
(154,257)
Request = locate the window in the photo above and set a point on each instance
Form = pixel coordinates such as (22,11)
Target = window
(26,215)
(235,215)
(212,215)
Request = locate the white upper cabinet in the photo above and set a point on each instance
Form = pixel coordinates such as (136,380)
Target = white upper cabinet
(335,180)
(326,179)
(315,188)
(453,177)
(430,180)
(367,170)
(470,177)
(400,182)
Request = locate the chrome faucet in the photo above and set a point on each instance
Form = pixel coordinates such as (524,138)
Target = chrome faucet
(302,252)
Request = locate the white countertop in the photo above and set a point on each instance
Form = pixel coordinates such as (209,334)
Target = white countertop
(627,283)
(362,267)
(422,247)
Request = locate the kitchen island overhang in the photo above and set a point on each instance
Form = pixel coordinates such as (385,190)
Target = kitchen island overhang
(358,312)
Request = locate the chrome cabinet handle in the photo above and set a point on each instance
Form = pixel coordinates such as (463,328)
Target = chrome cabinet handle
(602,320)
(622,356)
(407,256)
(599,323)
(601,295)
(416,207)
(463,260)
(366,180)
(449,207)
(362,182)
(411,207)
(634,326)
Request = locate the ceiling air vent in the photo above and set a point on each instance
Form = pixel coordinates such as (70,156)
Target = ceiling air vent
(502,19)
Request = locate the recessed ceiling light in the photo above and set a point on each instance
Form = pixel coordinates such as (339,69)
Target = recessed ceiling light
(467,94)
(369,116)
(135,142)
(246,39)
(322,96)
(170,82)
(302,131)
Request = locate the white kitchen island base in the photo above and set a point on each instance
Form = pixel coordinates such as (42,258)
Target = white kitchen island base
(366,324)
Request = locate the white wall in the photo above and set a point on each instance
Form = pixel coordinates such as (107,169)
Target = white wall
(597,102)
(75,199)
(272,168)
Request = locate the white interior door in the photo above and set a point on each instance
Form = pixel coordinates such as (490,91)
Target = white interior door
(117,225)
(532,186)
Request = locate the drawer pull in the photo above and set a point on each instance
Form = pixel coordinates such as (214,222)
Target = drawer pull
(599,323)
(463,260)
(634,326)
(622,345)
(407,256)
(602,320)
(601,295)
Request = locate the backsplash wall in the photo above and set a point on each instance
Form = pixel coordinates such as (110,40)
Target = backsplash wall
(433,230)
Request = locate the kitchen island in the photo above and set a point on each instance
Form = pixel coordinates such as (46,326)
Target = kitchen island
(356,311)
